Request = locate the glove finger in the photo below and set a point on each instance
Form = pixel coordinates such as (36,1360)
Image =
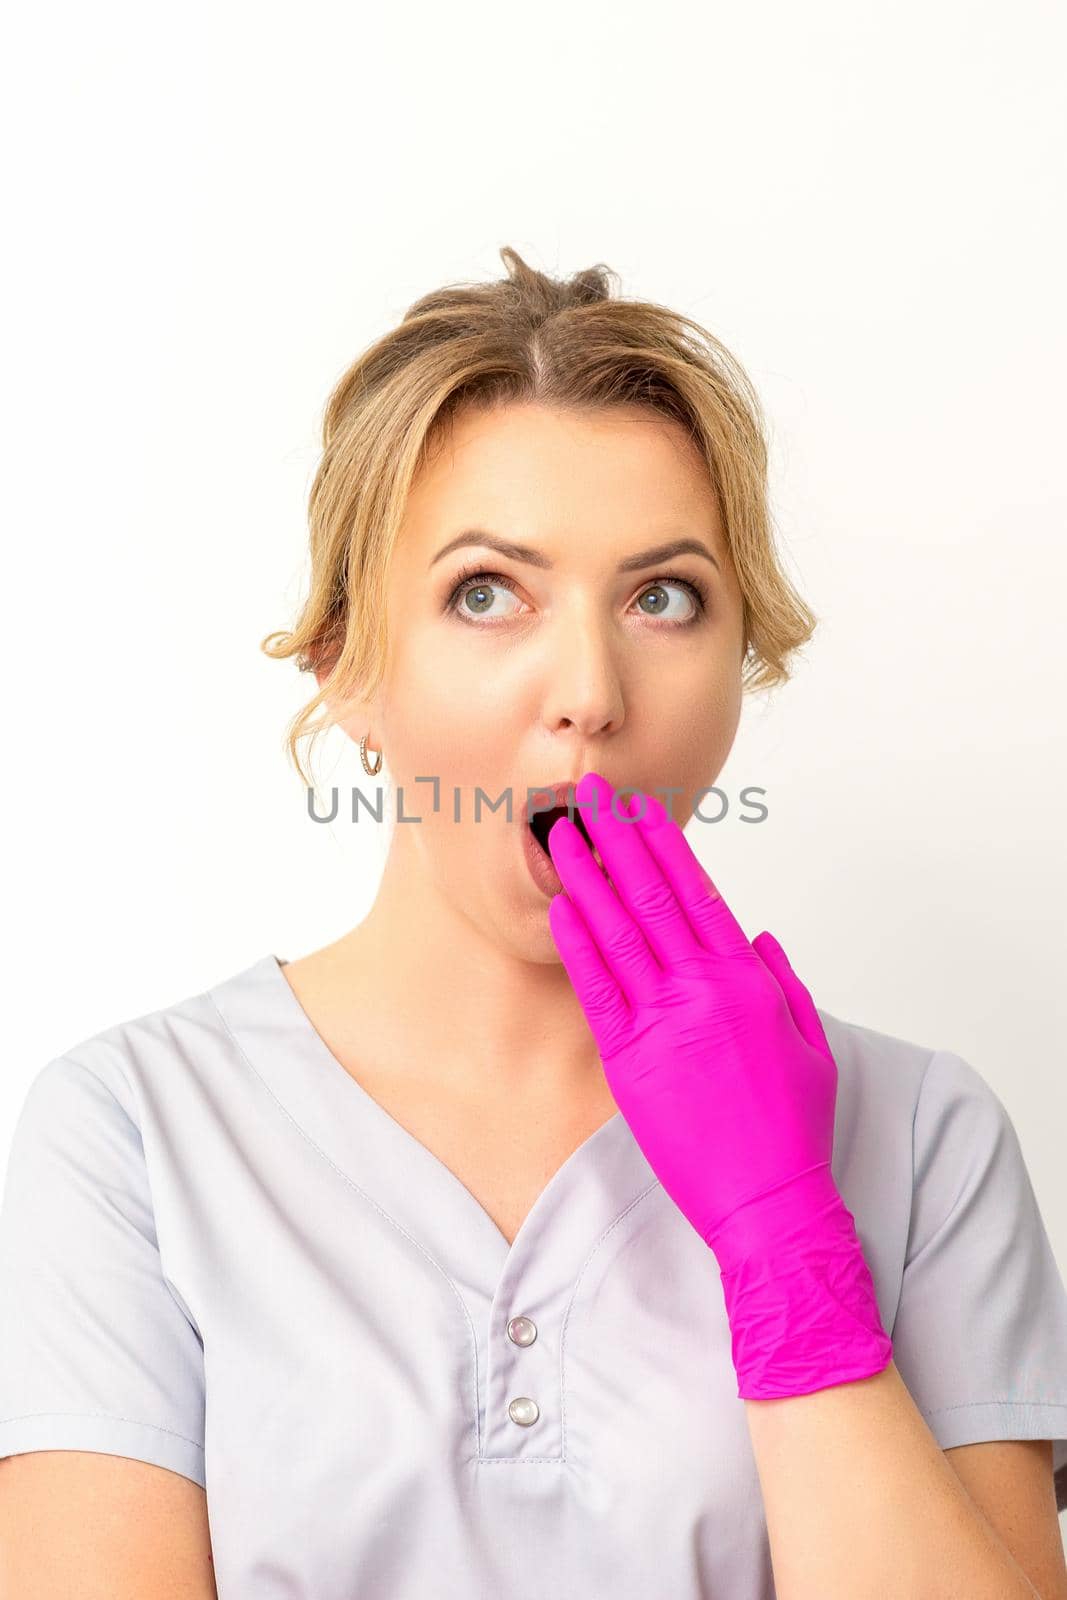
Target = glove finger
(603,1002)
(710,917)
(801,1005)
(620,939)
(635,874)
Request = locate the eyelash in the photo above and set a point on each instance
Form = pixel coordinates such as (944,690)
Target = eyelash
(472,576)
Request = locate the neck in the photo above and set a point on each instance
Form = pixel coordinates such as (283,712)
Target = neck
(417,987)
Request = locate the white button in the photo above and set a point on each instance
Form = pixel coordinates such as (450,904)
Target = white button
(522,1331)
(524,1411)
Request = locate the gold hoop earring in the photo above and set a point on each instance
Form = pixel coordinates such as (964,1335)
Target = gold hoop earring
(371,771)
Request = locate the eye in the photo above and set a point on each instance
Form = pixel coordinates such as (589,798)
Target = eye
(477,590)
(472,596)
(696,597)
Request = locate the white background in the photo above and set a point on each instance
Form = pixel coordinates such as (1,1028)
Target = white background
(212,209)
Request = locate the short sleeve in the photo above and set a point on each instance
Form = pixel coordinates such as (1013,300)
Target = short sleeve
(980,1334)
(96,1351)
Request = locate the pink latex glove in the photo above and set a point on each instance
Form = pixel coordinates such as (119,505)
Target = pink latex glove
(716,1057)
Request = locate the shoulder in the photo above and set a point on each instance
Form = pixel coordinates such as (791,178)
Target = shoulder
(913,1124)
(140,1072)
(921,1121)
(871,1052)
(885,1072)
(879,1080)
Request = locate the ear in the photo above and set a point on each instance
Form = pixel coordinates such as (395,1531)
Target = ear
(355,715)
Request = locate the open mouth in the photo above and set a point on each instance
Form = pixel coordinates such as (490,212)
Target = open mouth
(541,824)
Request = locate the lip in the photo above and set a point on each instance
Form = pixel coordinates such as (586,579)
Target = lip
(560,793)
(536,858)
(540,866)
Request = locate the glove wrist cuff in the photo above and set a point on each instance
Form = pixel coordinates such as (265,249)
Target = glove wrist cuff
(804,1209)
(799,1294)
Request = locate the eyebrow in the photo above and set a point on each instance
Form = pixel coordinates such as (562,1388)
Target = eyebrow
(537,558)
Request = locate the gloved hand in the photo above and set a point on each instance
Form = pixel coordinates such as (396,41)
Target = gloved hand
(716,1057)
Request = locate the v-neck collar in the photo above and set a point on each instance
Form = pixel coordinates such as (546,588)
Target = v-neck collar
(401,1177)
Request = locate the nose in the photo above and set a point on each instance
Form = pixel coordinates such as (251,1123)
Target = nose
(584,688)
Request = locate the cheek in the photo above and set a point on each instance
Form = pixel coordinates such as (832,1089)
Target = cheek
(718,710)
(447,722)
(692,716)
(440,697)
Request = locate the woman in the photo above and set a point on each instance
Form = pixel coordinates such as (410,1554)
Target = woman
(542,1166)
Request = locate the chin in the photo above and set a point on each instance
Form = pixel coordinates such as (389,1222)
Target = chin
(527,932)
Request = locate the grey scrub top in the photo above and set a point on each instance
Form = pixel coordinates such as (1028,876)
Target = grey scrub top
(218,1253)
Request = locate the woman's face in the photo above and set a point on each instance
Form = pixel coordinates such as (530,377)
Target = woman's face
(547,667)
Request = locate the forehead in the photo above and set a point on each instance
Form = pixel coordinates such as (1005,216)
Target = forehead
(621,476)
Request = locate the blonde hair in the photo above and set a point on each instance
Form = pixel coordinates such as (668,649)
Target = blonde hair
(526,338)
